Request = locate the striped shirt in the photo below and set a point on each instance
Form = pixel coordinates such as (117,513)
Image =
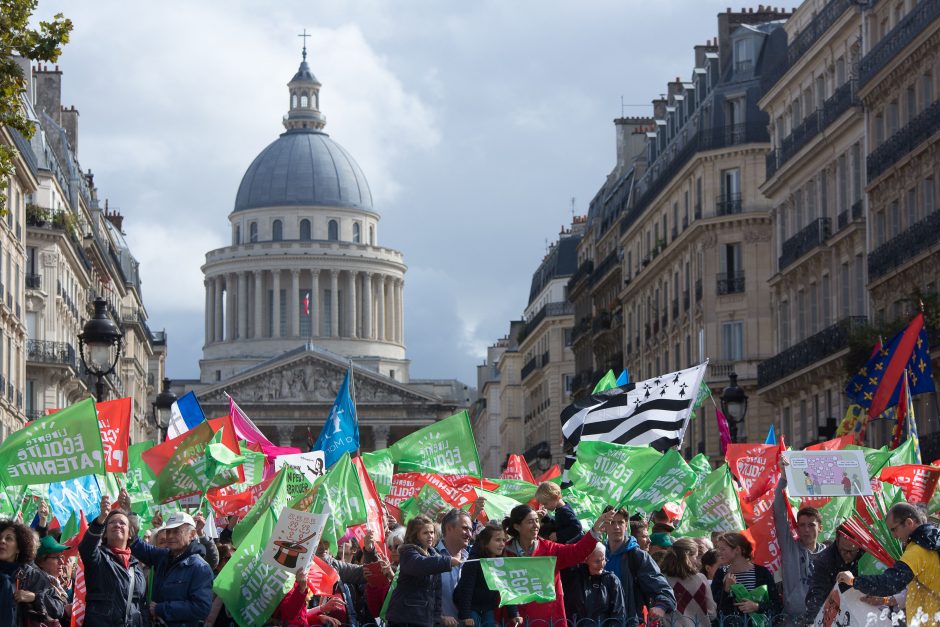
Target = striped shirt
(747,578)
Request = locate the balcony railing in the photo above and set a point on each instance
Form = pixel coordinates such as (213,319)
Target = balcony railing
(841,100)
(601,322)
(610,262)
(910,243)
(816,28)
(810,236)
(528,368)
(548,309)
(910,26)
(33,281)
(848,216)
(580,328)
(730,282)
(41,351)
(901,143)
(811,350)
(728,204)
(583,272)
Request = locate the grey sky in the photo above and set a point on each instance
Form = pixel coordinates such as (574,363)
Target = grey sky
(475,123)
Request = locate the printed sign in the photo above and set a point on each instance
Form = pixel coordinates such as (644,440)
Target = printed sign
(311,465)
(293,543)
(827,473)
(846,609)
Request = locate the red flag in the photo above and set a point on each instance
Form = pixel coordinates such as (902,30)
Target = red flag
(901,412)
(321,577)
(754,466)
(114,420)
(375,517)
(895,368)
(724,432)
(833,445)
(225,502)
(516,468)
(78,596)
(549,474)
(918,482)
(158,456)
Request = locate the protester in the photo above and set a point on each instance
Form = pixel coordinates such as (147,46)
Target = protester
(797,555)
(918,570)
(182,580)
(25,594)
(51,560)
(219,616)
(476,604)
(643,584)
(457,531)
(842,555)
(416,600)
(640,532)
(203,545)
(694,602)
(710,565)
(377,587)
(659,542)
(734,556)
(522,525)
(593,595)
(114,582)
(567,527)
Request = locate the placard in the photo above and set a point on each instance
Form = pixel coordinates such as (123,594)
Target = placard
(293,543)
(827,473)
(311,465)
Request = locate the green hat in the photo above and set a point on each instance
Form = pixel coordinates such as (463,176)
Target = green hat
(48,546)
(661,538)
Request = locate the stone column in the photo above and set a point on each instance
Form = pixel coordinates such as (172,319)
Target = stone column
(314,303)
(276,310)
(259,303)
(218,308)
(367,305)
(380,308)
(380,436)
(390,308)
(230,307)
(242,305)
(399,311)
(352,330)
(334,303)
(294,301)
(208,314)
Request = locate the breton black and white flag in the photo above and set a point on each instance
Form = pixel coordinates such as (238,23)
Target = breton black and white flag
(652,413)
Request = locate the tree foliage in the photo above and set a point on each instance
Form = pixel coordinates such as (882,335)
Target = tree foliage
(37,44)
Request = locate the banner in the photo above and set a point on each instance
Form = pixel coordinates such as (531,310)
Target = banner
(114,421)
(250,587)
(63,445)
(610,470)
(668,480)
(293,543)
(754,466)
(714,505)
(381,468)
(845,608)
(520,579)
(375,513)
(918,482)
(446,447)
(827,473)
(517,468)
(311,465)
(274,498)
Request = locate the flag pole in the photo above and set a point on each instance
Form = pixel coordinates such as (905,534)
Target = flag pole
(352,396)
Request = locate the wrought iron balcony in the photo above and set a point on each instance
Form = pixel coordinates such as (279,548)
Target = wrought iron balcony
(728,204)
(580,329)
(610,262)
(901,143)
(33,281)
(730,282)
(816,28)
(528,368)
(810,236)
(898,250)
(848,216)
(584,271)
(897,39)
(40,351)
(841,100)
(601,322)
(548,309)
(811,350)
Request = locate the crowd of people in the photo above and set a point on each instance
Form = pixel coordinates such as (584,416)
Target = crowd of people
(625,570)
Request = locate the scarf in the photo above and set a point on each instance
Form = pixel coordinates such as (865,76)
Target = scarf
(123,554)
(8,572)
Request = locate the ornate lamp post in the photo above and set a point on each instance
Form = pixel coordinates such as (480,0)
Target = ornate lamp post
(734,405)
(162,405)
(543,457)
(99,345)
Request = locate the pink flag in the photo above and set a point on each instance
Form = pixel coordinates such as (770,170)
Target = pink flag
(245,429)
(724,433)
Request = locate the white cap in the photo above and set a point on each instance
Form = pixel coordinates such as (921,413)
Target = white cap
(177,519)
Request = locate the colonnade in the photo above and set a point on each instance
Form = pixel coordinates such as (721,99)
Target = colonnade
(241,305)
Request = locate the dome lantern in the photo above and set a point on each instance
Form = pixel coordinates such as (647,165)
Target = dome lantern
(304,91)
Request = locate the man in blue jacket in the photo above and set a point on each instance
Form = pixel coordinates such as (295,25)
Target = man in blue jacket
(182,580)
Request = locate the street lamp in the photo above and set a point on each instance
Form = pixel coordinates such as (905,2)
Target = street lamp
(543,457)
(162,405)
(99,345)
(734,405)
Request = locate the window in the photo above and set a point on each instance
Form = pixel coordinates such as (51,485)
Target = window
(304,101)
(813,308)
(930,204)
(880,228)
(253,232)
(856,172)
(730,183)
(784,331)
(356,232)
(826,301)
(820,91)
(910,103)
(926,90)
(333,230)
(845,296)
(293,101)
(810,201)
(800,315)
(238,234)
(277,231)
(893,117)
(859,285)
(824,193)
(840,71)
(895,219)
(732,341)
(879,123)
(305,229)
(842,176)
(371,236)
(911,207)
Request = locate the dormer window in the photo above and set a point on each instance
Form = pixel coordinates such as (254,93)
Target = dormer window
(743,63)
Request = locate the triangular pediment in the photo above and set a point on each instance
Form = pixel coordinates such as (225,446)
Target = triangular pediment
(310,377)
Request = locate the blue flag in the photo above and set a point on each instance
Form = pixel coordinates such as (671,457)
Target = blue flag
(623,379)
(341,432)
(771,436)
(186,413)
(80,494)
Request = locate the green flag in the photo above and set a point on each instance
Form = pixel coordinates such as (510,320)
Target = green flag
(607,382)
(70,528)
(704,393)
(265,510)
(60,446)
(875,458)
(610,470)
(446,447)
(701,466)
(714,505)
(220,458)
(428,501)
(520,579)
(906,453)
(380,467)
(668,480)
(250,588)
(586,507)
(516,489)
(341,490)
(835,512)
(185,472)
(140,478)
(253,466)
(497,506)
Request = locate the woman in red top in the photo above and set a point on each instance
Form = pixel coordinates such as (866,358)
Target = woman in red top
(522,525)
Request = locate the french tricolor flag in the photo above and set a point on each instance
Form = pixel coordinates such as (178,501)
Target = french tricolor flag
(185,414)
